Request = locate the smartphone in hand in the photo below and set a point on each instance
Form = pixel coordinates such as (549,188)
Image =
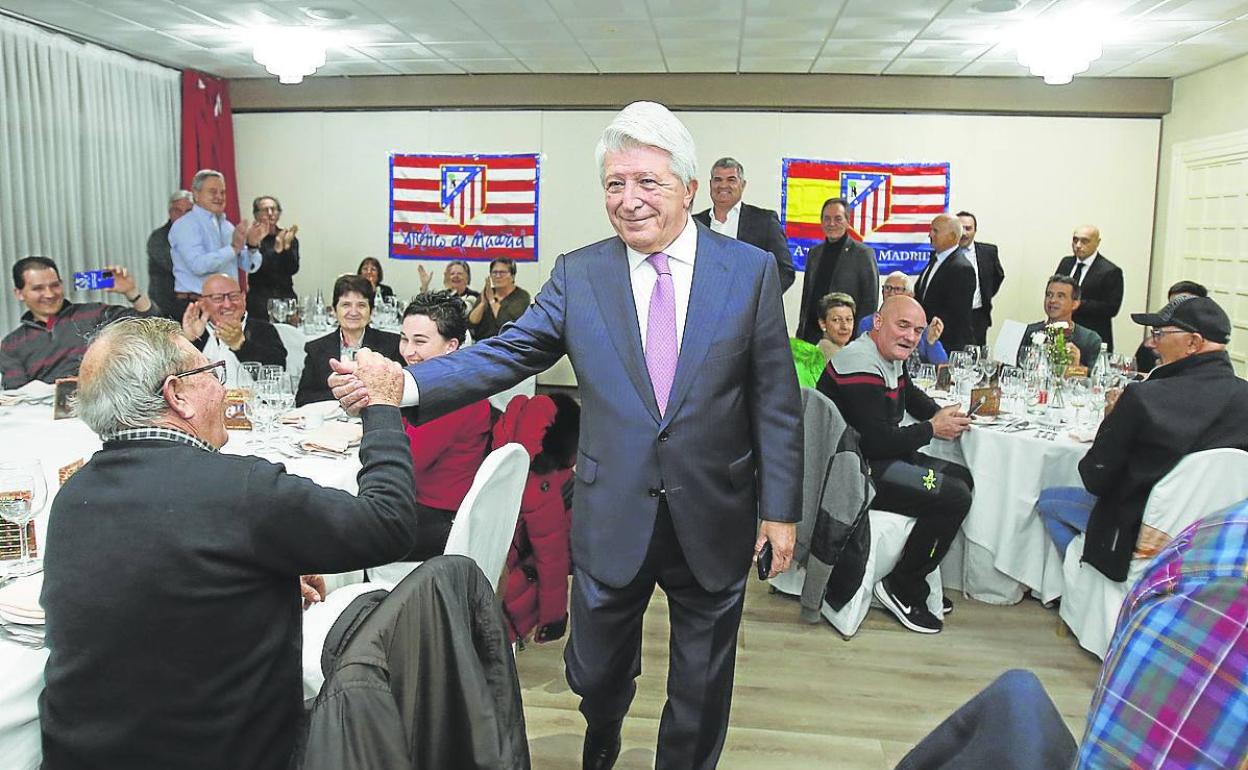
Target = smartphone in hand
(764,561)
(89,280)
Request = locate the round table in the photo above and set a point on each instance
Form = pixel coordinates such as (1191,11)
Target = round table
(1003,548)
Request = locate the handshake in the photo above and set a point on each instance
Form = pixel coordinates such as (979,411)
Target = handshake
(370,379)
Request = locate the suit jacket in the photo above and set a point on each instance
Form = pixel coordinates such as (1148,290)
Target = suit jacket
(1102,295)
(314,382)
(991,274)
(761,227)
(261,342)
(1088,341)
(726,452)
(856,274)
(949,295)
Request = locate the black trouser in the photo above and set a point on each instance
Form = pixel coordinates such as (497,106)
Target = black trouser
(603,654)
(433,527)
(979,325)
(937,494)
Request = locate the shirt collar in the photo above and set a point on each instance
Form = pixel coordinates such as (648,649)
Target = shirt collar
(733,213)
(158,433)
(682,249)
(1088,262)
(942,256)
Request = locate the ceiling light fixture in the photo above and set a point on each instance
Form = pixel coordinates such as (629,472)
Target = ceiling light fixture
(289,52)
(1059,48)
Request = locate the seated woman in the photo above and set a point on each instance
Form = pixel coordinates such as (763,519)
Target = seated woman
(502,301)
(836,319)
(370,268)
(353,306)
(455,279)
(448,450)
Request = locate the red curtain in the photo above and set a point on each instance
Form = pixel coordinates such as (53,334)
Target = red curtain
(208,136)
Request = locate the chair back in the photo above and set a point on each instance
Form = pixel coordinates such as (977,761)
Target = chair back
(486,521)
(1202,482)
(1009,337)
(293,340)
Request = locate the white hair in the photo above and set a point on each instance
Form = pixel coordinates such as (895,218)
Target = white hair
(203,175)
(898,274)
(181,195)
(124,390)
(650,124)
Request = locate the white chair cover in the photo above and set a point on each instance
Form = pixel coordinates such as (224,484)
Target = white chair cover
(526,387)
(293,340)
(486,520)
(1009,337)
(1200,484)
(888,536)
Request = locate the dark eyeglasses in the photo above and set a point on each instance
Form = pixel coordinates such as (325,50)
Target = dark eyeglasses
(217,368)
(217,299)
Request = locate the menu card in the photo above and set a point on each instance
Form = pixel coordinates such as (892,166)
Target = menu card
(236,409)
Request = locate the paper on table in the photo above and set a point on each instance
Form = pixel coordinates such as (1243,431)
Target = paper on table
(30,393)
(326,410)
(21,597)
(1085,435)
(334,437)
(1009,338)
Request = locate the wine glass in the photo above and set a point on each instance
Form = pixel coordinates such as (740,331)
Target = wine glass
(23,493)
(1080,391)
(925,377)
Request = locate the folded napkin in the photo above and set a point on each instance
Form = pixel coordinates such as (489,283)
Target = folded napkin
(326,410)
(31,393)
(20,599)
(337,437)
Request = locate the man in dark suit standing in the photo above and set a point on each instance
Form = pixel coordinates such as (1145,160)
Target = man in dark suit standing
(989,275)
(947,285)
(840,263)
(690,434)
(1100,282)
(756,226)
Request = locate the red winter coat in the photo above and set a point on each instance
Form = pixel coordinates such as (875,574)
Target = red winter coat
(540,558)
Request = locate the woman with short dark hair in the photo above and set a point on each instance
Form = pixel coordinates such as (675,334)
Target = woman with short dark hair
(370,268)
(353,307)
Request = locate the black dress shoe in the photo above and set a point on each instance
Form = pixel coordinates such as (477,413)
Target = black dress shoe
(602,748)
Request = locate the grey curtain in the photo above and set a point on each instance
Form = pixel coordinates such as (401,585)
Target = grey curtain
(88,156)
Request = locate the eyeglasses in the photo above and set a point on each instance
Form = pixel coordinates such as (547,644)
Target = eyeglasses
(267,210)
(1157,334)
(894,289)
(217,299)
(500,272)
(217,369)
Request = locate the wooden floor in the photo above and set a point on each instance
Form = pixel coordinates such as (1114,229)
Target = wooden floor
(804,698)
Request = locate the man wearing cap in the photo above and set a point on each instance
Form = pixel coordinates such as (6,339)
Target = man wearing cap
(1192,401)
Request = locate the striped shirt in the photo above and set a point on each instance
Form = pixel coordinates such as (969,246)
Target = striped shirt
(37,351)
(1174,689)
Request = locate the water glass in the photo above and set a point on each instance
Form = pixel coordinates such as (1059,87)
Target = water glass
(23,493)
(252,371)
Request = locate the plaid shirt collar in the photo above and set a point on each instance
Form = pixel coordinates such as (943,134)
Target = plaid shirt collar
(158,433)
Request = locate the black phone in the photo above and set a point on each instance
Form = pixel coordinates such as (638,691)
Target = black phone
(764,561)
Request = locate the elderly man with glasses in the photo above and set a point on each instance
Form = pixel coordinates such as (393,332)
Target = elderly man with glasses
(219,325)
(177,569)
(1193,401)
(896,284)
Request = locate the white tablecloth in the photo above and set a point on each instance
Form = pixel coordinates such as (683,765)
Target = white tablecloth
(29,432)
(1003,548)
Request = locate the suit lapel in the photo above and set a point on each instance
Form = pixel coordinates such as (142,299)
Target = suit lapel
(708,296)
(614,293)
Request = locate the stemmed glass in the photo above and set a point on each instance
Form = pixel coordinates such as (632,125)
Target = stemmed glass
(23,493)
(925,377)
(1080,392)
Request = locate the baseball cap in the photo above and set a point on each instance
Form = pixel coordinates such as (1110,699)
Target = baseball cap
(1193,314)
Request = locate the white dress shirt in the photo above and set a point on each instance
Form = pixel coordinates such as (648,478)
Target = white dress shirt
(977,300)
(1087,265)
(730,224)
(216,350)
(680,257)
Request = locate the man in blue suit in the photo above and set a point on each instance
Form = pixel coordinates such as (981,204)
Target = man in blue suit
(690,433)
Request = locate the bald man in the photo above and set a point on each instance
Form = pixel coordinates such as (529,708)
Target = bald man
(217,323)
(868,382)
(947,286)
(1100,282)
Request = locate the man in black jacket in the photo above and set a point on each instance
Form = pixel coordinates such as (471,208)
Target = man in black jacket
(185,652)
(217,323)
(159,260)
(756,226)
(840,263)
(1100,280)
(868,382)
(989,275)
(1193,401)
(946,286)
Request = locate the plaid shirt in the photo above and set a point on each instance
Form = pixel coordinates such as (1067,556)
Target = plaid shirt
(159,433)
(1174,689)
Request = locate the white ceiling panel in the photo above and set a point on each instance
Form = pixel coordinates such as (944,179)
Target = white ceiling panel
(1154,38)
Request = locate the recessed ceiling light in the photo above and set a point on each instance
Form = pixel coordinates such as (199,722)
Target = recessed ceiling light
(322,13)
(997,6)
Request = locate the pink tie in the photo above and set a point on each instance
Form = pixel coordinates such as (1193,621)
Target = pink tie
(661,331)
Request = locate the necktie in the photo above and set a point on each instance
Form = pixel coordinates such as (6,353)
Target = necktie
(927,275)
(661,331)
(1078,272)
